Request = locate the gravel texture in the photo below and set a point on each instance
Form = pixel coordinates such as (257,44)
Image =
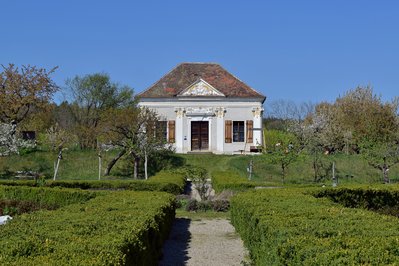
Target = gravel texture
(204,242)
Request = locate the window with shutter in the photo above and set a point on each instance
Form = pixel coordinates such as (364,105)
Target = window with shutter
(238,131)
(250,127)
(171,131)
(227,131)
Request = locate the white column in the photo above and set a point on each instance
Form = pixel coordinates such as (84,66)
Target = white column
(258,138)
(179,130)
(220,129)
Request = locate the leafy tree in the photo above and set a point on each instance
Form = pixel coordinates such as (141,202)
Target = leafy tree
(92,96)
(24,90)
(358,115)
(282,149)
(381,155)
(59,140)
(134,131)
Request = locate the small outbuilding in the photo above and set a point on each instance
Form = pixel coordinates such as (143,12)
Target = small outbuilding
(204,108)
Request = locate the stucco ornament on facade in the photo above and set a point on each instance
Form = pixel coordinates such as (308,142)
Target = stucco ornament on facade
(220,111)
(202,111)
(257,112)
(180,112)
(201,88)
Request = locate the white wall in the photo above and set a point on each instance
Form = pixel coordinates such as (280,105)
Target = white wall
(235,110)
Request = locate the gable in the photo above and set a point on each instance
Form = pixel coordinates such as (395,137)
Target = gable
(201,88)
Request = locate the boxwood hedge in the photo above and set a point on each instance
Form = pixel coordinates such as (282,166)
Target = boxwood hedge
(229,180)
(167,181)
(47,196)
(292,227)
(114,228)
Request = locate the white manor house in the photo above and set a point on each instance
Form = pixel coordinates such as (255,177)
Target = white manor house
(204,108)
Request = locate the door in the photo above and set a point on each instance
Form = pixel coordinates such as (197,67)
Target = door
(199,135)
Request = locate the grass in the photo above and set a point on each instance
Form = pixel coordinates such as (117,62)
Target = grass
(350,169)
(83,164)
(75,165)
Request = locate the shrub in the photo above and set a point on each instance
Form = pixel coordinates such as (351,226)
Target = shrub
(231,181)
(166,181)
(292,227)
(114,228)
(53,198)
(220,205)
(182,200)
(192,205)
(374,199)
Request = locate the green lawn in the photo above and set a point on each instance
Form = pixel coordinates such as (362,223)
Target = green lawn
(76,164)
(349,168)
(83,164)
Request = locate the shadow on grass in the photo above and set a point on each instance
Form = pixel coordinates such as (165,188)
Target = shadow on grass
(175,248)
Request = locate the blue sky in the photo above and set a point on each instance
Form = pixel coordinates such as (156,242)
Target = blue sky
(294,50)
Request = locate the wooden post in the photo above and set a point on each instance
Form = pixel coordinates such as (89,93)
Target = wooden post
(58,163)
(99,164)
(250,169)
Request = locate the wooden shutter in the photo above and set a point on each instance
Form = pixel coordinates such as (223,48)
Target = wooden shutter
(227,131)
(171,131)
(250,128)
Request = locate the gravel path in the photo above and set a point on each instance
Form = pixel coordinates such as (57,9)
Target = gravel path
(205,242)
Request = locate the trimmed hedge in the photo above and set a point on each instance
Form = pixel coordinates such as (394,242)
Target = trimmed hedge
(292,227)
(114,228)
(381,200)
(230,180)
(46,196)
(165,181)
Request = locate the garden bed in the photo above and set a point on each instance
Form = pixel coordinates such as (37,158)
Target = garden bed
(112,228)
(292,227)
(166,181)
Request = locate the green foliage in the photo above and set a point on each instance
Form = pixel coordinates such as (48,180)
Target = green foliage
(282,148)
(18,207)
(173,181)
(115,228)
(380,155)
(292,227)
(167,181)
(229,180)
(381,200)
(57,197)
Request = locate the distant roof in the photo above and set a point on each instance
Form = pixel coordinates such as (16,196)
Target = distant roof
(185,74)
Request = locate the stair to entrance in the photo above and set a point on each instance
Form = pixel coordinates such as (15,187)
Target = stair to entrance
(199,152)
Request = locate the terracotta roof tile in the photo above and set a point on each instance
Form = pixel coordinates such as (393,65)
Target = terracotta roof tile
(186,74)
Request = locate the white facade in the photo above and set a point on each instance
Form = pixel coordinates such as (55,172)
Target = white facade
(207,110)
(216,111)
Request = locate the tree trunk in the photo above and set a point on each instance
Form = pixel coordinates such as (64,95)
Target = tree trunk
(385,170)
(145,165)
(113,162)
(283,172)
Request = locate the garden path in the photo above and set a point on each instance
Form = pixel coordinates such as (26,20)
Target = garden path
(203,242)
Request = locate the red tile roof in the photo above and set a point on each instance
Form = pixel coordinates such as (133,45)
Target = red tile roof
(186,74)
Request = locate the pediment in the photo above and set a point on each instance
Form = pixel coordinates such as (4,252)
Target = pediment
(201,88)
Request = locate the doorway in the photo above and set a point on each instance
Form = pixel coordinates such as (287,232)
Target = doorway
(199,135)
